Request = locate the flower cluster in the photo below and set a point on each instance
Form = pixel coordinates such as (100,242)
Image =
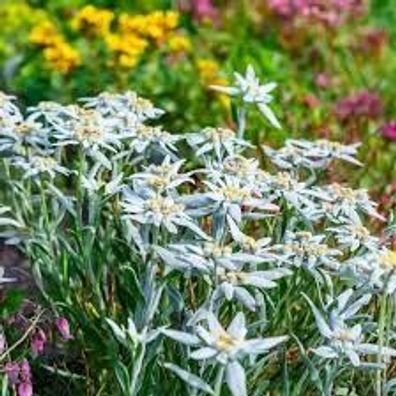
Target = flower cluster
(364,105)
(329,13)
(216,248)
(59,54)
(93,20)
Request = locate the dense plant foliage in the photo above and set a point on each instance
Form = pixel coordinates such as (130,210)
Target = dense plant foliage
(335,60)
(196,263)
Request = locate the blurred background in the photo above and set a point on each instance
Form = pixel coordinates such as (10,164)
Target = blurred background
(334,61)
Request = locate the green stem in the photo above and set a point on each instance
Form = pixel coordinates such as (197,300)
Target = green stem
(137,368)
(382,320)
(219,380)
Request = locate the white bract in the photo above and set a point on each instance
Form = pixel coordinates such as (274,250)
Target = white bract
(249,88)
(226,346)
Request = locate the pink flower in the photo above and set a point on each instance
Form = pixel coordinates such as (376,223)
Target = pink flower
(25,389)
(38,341)
(12,371)
(323,80)
(360,105)
(389,130)
(326,12)
(25,371)
(200,9)
(204,9)
(62,324)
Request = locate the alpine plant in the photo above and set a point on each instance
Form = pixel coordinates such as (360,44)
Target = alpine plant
(185,265)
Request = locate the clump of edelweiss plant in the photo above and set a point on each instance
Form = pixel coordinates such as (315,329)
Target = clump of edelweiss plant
(183,265)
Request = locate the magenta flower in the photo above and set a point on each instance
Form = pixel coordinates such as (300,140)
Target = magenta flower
(25,389)
(201,10)
(389,130)
(12,371)
(204,9)
(330,12)
(25,371)
(323,80)
(37,342)
(360,105)
(62,324)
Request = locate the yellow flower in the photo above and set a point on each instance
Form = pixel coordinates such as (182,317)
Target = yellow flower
(209,74)
(178,43)
(62,57)
(157,25)
(93,20)
(208,70)
(44,34)
(128,48)
(132,23)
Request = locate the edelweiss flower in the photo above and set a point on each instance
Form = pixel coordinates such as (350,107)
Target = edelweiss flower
(235,284)
(231,198)
(149,208)
(8,109)
(311,154)
(206,257)
(353,236)
(122,105)
(40,163)
(221,141)
(376,269)
(163,177)
(345,341)
(145,137)
(346,202)
(302,249)
(14,135)
(284,185)
(226,347)
(249,88)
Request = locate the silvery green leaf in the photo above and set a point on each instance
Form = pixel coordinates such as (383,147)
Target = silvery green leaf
(325,352)
(262,345)
(353,308)
(117,330)
(245,298)
(320,322)
(269,114)
(4,209)
(180,336)
(373,349)
(6,221)
(236,379)
(203,353)
(237,327)
(191,379)
(353,357)
(131,329)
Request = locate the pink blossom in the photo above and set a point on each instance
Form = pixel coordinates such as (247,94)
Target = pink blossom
(389,130)
(200,9)
(25,389)
(25,371)
(37,342)
(360,105)
(327,12)
(323,80)
(12,371)
(62,324)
